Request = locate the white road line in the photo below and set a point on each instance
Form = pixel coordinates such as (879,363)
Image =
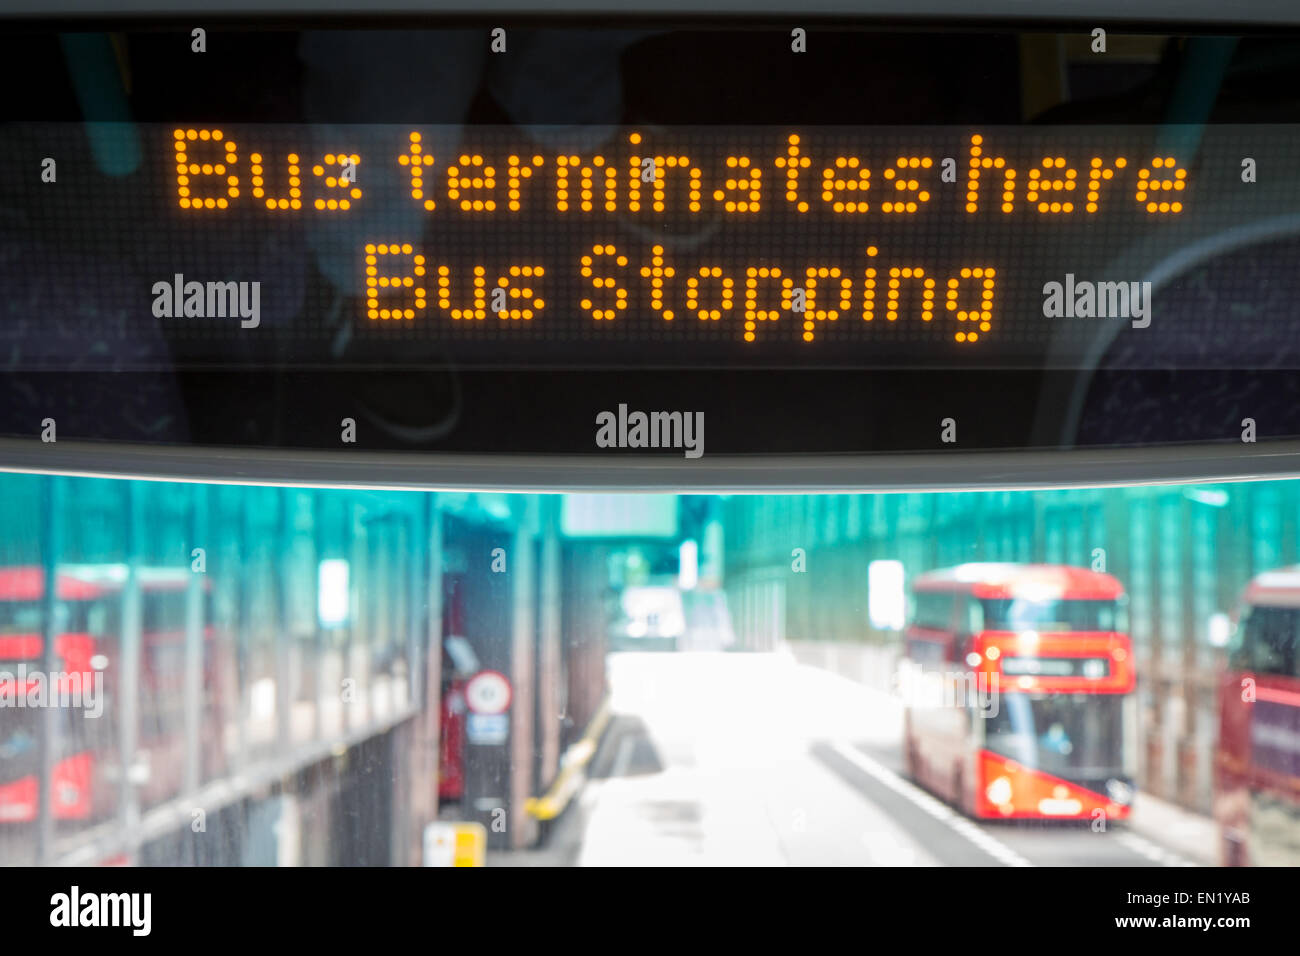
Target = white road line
(1153,852)
(940,811)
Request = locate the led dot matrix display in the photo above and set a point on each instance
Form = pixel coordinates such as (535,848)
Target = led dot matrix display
(918,245)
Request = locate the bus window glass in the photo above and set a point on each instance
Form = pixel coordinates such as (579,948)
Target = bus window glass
(933,612)
(1072,736)
(19,734)
(1026,614)
(1267,641)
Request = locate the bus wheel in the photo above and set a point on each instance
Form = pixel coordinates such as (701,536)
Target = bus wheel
(958,794)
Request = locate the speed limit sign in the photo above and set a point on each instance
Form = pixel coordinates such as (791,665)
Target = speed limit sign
(488,692)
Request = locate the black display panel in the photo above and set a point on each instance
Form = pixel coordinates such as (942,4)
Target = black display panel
(865,238)
(916,247)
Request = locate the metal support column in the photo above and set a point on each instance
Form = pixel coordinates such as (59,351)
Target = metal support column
(128,665)
(431,663)
(195,624)
(52,495)
(551,692)
(349,552)
(417,604)
(318,637)
(284,695)
(243,624)
(523,590)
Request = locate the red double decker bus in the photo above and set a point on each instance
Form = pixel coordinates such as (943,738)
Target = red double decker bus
(1035,715)
(87,625)
(81,622)
(1257,762)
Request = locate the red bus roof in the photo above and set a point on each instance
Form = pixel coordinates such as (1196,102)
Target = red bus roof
(83,582)
(1280,588)
(113,576)
(28,584)
(1005,580)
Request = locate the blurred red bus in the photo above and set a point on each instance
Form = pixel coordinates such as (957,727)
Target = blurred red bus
(80,613)
(1257,763)
(1035,716)
(88,616)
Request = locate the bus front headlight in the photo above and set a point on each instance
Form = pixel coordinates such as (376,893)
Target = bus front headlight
(1119,792)
(999,791)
